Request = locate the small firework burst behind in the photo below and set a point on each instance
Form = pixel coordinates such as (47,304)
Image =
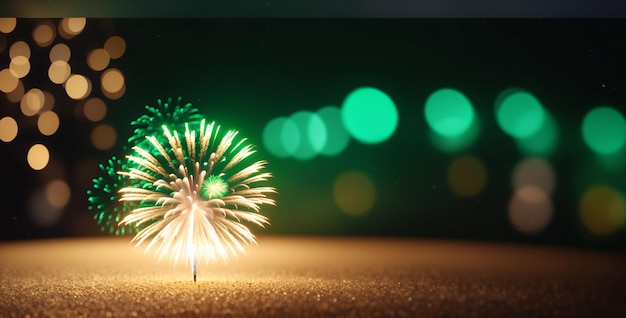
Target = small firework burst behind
(194,189)
(166,113)
(104,198)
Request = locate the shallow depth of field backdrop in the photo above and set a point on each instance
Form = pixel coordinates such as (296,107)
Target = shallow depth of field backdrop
(498,130)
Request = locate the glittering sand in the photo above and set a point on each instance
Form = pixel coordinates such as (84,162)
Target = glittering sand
(312,277)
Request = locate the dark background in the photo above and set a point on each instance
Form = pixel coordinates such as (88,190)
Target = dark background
(242,73)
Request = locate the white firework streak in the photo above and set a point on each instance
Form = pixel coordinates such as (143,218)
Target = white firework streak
(187,225)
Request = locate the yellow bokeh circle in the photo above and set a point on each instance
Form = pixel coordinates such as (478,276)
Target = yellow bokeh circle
(354,192)
(602,210)
(467,176)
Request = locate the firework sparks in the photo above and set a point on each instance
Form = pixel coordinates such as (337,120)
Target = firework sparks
(193,192)
(104,198)
(166,113)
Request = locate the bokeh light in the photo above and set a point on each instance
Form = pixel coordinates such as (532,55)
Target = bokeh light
(76,25)
(313,134)
(19,48)
(103,137)
(282,137)
(58,193)
(59,71)
(116,95)
(112,80)
(44,33)
(62,29)
(519,113)
(8,129)
(604,130)
(23,79)
(98,59)
(354,192)
(60,52)
(32,102)
(602,210)
(302,136)
(449,113)
(272,137)
(530,210)
(38,157)
(543,142)
(19,66)
(337,136)
(467,176)
(48,102)
(369,115)
(77,86)
(16,95)
(536,172)
(8,82)
(458,143)
(95,109)
(317,132)
(290,136)
(7,25)
(70,27)
(27,111)
(115,46)
(48,123)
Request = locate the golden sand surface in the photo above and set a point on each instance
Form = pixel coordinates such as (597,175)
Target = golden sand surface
(312,277)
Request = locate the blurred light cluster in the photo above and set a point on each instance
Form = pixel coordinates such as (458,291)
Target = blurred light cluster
(369,116)
(77,72)
(47,88)
(521,116)
(305,134)
(603,131)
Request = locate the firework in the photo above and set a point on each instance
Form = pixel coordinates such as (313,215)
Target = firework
(104,198)
(193,191)
(166,113)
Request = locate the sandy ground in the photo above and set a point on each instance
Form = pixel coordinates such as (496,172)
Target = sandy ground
(312,277)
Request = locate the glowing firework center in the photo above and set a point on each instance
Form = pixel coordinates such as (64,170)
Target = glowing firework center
(214,187)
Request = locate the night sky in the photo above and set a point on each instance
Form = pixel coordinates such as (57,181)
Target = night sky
(243,73)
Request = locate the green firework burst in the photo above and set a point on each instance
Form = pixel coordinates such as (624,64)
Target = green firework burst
(104,199)
(103,196)
(214,187)
(168,113)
